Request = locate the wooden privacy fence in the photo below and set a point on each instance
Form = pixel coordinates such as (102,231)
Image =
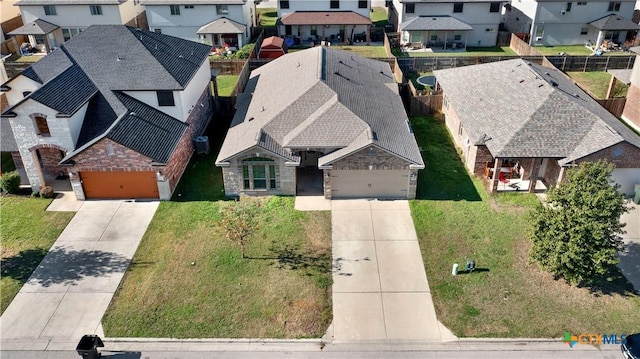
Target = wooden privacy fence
(522,48)
(14,68)
(613,105)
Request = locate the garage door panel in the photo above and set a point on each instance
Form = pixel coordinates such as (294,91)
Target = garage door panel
(119,184)
(369,184)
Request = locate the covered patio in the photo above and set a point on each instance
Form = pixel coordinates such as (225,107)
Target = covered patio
(331,26)
(613,31)
(223,33)
(517,174)
(41,37)
(439,31)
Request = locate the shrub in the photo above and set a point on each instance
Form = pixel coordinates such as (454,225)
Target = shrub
(244,52)
(10,182)
(47,192)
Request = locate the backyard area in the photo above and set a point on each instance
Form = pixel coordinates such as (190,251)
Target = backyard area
(457,220)
(268,16)
(470,51)
(597,83)
(27,231)
(187,273)
(576,50)
(226,84)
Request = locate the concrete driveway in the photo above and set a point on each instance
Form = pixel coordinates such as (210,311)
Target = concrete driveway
(630,257)
(68,293)
(380,289)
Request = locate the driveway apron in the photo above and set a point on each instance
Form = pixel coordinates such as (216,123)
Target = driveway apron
(68,293)
(380,289)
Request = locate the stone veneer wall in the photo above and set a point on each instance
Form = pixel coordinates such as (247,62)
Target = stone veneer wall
(482,156)
(233,182)
(97,158)
(552,173)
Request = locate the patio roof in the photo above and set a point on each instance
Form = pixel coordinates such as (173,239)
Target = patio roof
(324,18)
(38,27)
(614,22)
(437,23)
(222,26)
(622,75)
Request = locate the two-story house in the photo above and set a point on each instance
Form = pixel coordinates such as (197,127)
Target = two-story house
(115,109)
(214,22)
(49,23)
(331,20)
(449,23)
(631,112)
(552,23)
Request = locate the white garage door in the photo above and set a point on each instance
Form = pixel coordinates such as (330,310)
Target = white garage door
(369,184)
(627,178)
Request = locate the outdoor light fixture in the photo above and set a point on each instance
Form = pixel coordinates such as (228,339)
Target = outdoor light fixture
(370,167)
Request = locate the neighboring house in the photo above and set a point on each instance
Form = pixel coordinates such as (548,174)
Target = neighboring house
(553,23)
(214,22)
(321,120)
(49,23)
(9,18)
(331,20)
(631,112)
(116,109)
(449,23)
(518,123)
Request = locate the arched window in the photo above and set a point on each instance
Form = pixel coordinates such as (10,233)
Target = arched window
(259,173)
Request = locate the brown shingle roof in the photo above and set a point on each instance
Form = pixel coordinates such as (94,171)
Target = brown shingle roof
(325,18)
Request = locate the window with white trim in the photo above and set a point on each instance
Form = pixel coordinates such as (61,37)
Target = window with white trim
(175,9)
(50,10)
(222,9)
(96,9)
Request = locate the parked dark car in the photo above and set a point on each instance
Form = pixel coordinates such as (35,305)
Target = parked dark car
(631,346)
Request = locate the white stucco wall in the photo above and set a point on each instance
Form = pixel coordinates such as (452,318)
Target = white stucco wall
(129,10)
(73,15)
(19,85)
(306,5)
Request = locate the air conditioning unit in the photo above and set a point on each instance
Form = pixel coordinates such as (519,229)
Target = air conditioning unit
(538,38)
(202,145)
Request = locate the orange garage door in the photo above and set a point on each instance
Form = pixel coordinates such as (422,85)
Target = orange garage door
(119,184)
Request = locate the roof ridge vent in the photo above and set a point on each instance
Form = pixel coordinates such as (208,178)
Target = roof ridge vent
(554,84)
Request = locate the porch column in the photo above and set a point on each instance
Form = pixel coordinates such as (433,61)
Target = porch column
(38,168)
(533,174)
(240,44)
(446,34)
(15,43)
(495,178)
(466,40)
(600,39)
(560,176)
(368,34)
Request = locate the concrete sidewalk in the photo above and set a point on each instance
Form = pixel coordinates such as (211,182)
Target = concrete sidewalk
(68,293)
(630,257)
(380,290)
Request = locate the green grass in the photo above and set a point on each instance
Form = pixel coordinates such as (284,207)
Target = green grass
(282,291)
(471,51)
(597,83)
(226,84)
(6,161)
(27,232)
(29,58)
(364,50)
(378,16)
(268,16)
(507,297)
(575,50)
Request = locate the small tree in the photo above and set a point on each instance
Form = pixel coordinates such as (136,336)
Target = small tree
(239,220)
(577,234)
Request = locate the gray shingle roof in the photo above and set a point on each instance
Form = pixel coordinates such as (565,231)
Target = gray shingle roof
(70,2)
(105,59)
(222,25)
(38,27)
(67,92)
(321,97)
(147,130)
(439,22)
(614,22)
(526,110)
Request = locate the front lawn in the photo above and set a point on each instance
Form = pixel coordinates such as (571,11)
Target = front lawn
(187,279)
(506,296)
(226,84)
(597,83)
(27,233)
(471,51)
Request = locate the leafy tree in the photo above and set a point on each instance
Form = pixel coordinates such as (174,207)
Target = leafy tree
(239,220)
(576,235)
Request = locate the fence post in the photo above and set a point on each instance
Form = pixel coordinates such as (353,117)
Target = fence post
(606,66)
(629,62)
(564,63)
(586,59)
